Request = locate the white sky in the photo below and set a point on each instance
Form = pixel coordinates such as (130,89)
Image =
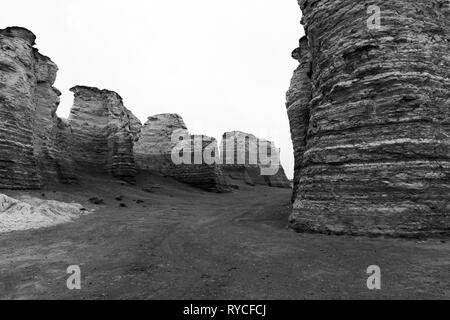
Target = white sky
(222,65)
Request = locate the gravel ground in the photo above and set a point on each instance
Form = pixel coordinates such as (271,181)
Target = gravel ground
(172,241)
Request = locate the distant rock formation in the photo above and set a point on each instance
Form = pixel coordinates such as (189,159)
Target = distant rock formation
(369,111)
(103,132)
(198,172)
(241,160)
(36,146)
(153,148)
(32,138)
(153,152)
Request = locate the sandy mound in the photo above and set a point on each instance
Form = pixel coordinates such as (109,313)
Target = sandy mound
(33,213)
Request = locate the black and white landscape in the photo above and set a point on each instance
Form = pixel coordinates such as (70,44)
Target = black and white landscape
(344,196)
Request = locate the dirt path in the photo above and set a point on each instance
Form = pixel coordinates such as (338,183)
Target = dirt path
(181,243)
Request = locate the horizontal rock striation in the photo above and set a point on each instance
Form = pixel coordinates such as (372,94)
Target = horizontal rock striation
(32,139)
(241,160)
(103,132)
(153,148)
(18,168)
(161,135)
(375,159)
(196,171)
(100,136)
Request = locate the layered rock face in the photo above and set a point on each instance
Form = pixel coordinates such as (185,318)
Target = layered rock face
(196,170)
(103,132)
(101,135)
(51,134)
(164,133)
(298,98)
(154,146)
(375,158)
(18,167)
(241,160)
(32,138)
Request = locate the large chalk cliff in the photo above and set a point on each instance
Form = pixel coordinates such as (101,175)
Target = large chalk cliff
(370,118)
(101,136)
(32,138)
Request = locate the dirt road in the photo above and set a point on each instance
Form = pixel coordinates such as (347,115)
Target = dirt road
(176,242)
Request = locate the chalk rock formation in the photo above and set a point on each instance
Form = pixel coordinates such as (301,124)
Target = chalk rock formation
(241,160)
(18,167)
(33,213)
(135,125)
(32,138)
(103,132)
(51,134)
(153,148)
(298,98)
(195,169)
(273,173)
(164,133)
(370,116)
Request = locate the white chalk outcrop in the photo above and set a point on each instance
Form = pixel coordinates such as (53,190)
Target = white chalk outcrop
(33,213)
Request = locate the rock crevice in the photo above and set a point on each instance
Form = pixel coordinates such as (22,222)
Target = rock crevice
(164,133)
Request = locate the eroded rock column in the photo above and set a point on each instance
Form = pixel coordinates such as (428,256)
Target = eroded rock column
(33,140)
(376,159)
(18,169)
(165,135)
(241,160)
(51,134)
(298,98)
(103,132)
(153,149)
(197,170)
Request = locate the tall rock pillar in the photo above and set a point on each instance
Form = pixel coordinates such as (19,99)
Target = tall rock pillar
(18,167)
(375,157)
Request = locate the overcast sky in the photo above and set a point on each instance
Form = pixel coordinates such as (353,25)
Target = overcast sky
(221,65)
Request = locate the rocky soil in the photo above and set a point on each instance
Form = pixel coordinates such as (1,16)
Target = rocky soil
(153,148)
(176,242)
